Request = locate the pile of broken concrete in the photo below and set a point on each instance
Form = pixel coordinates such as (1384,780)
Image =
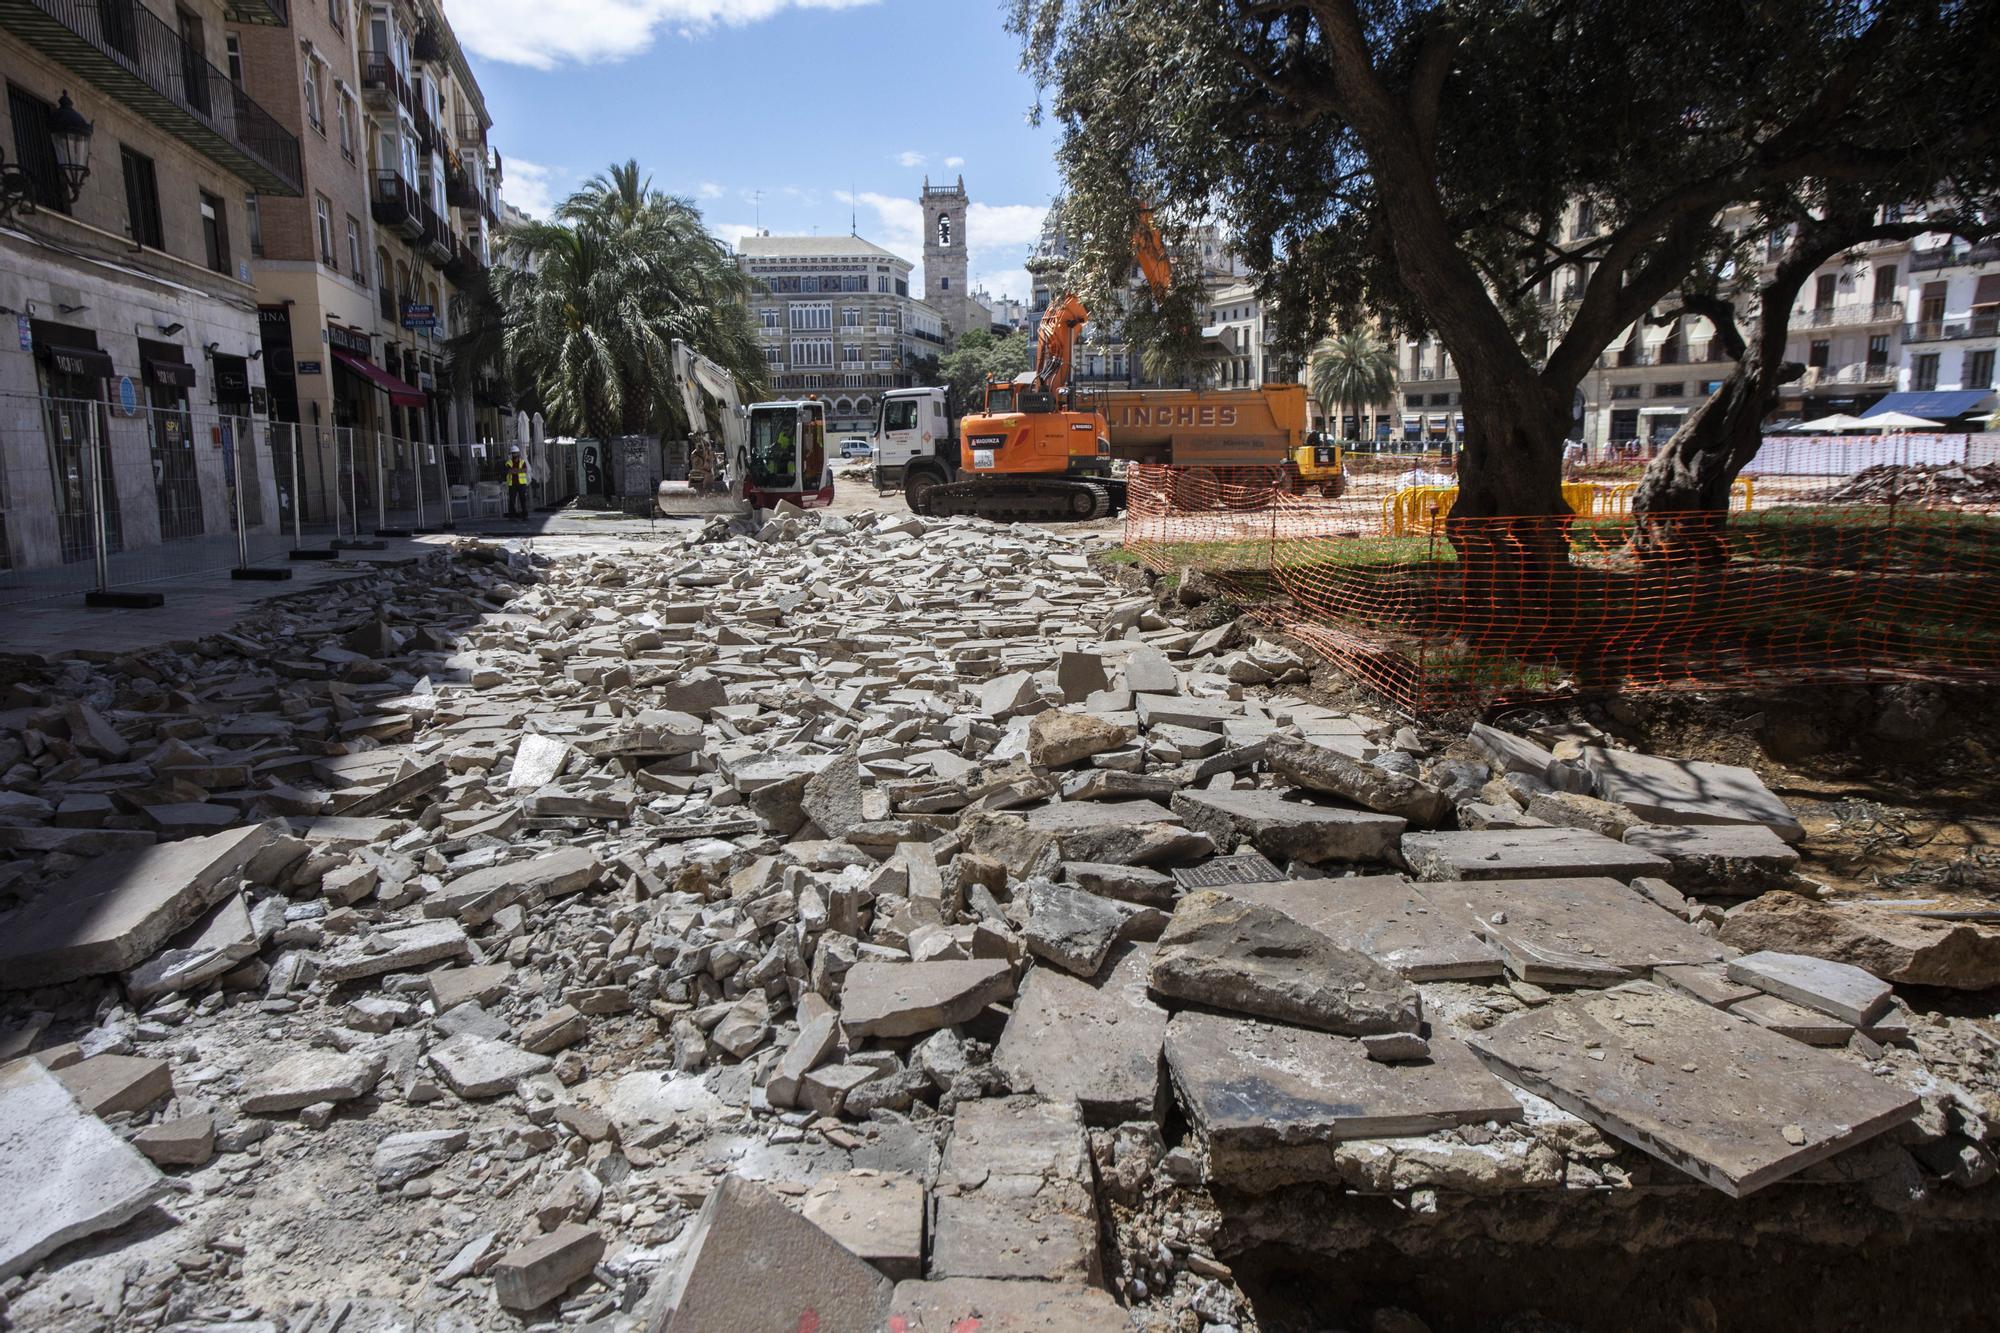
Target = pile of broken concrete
(832,921)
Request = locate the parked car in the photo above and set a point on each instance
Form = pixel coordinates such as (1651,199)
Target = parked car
(856,446)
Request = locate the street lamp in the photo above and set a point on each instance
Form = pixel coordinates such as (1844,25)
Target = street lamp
(69,138)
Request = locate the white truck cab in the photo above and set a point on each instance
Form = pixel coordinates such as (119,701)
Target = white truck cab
(909,424)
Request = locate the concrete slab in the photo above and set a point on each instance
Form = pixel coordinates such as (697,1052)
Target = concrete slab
(1013,1194)
(1385,917)
(1719,860)
(1266,1101)
(393,951)
(1688,791)
(1237,955)
(1840,989)
(749,1262)
(988,1305)
(1723,1100)
(1527,853)
(198,955)
(309,1078)
(890,999)
(474,1066)
(1096,1043)
(1576,932)
(108,1084)
(1224,871)
(878,1215)
(118,910)
(63,1174)
(1289,830)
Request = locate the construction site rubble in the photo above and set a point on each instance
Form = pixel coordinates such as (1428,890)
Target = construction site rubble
(869,922)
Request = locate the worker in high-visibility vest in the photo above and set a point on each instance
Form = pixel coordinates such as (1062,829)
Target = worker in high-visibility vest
(517,484)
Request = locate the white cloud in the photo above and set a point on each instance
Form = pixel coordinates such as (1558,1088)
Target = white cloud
(954,162)
(710,190)
(545,33)
(910,159)
(731,233)
(1004,224)
(1012,282)
(530,186)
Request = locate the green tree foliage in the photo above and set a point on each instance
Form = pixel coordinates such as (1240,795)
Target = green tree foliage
(978,357)
(1418,158)
(590,303)
(1356,369)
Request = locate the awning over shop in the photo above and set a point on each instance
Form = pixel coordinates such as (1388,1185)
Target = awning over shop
(1940,404)
(70,350)
(1458,425)
(1413,426)
(168,374)
(1662,411)
(400,393)
(1440,425)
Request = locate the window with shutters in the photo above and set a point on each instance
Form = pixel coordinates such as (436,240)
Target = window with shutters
(1978,370)
(323,227)
(1925,373)
(142,200)
(35,149)
(214,232)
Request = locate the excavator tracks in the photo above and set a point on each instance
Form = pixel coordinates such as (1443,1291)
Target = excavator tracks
(1036,499)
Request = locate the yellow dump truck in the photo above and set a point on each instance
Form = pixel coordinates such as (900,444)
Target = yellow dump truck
(1222,428)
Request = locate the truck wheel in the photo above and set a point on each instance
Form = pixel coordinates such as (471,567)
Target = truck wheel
(915,486)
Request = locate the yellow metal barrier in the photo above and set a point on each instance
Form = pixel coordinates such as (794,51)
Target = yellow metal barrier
(1418,510)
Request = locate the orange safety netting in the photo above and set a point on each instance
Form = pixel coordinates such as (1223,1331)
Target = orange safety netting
(1441,614)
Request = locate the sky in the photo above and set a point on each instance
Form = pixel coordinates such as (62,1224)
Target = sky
(802,116)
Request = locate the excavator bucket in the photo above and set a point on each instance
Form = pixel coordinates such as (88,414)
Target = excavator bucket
(711,487)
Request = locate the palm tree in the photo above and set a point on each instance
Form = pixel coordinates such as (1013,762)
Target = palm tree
(592,302)
(1356,369)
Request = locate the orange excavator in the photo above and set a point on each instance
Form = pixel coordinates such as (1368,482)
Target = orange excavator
(1034,452)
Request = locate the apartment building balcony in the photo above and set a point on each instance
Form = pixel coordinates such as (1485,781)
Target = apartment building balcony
(382,84)
(459,191)
(427,138)
(128,53)
(1846,316)
(439,243)
(1854,374)
(429,43)
(1985,324)
(1947,256)
(463,266)
(394,203)
(268,13)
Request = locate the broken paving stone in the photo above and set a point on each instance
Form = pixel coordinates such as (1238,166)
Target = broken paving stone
(749,1262)
(1793,1020)
(63,1174)
(198,955)
(475,896)
(538,761)
(1894,946)
(825,1090)
(996,1305)
(535,1274)
(1073,929)
(1238,955)
(879,1215)
(1720,860)
(1096,1043)
(1057,738)
(1588,931)
(1014,1197)
(1688,791)
(891,999)
(1266,1101)
(1316,767)
(646,1099)
(452,986)
(1533,853)
(1289,830)
(474,1066)
(108,1084)
(1121,832)
(1386,918)
(1703,1092)
(393,951)
(187,1140)
(1130,884)
(309,1077)
(1394,1047)
(818,1034)
(1839,989)
(118,910)
(403,1157)
(556,1030)
(831,797)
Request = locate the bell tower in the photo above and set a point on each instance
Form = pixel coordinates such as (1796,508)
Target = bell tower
(945,277)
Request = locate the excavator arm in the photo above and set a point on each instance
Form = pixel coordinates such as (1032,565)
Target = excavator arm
(1055,340)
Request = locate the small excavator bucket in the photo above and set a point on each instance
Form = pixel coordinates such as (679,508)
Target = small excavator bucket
(709,488)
